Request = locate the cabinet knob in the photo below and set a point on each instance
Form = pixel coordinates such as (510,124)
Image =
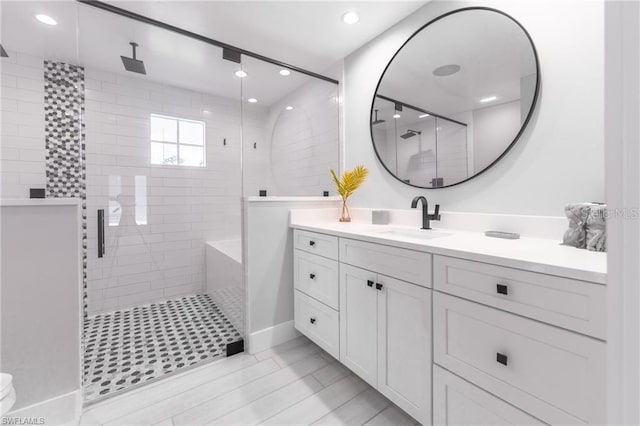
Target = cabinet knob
(370,283)
(502,289)
(312,276)
(378,286)
(501,358)
(312,243)
(312,320)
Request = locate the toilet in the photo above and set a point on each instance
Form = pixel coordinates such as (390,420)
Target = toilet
(7,393)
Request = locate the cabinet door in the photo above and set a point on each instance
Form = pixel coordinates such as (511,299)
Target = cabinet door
(404,346)
(358,322)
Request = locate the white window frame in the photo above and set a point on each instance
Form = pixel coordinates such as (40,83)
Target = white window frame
(178,143)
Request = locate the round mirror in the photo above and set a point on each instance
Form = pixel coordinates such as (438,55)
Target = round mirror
(455,98)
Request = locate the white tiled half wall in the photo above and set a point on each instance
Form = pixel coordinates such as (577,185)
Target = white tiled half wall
(158,217)
(22,148)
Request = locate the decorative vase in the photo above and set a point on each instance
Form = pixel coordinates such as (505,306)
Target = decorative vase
(344,217)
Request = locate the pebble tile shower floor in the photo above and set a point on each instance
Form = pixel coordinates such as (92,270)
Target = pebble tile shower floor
(131,346)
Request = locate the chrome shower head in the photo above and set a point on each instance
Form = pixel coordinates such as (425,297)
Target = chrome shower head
(133,64)
(410,133)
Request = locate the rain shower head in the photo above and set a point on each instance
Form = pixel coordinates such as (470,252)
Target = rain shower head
(3,53)
(410,133)
(376,121)
(133,64)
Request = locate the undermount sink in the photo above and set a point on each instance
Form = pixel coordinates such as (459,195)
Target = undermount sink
(422,234)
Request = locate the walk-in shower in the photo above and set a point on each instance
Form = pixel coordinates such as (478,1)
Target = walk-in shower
(161,153)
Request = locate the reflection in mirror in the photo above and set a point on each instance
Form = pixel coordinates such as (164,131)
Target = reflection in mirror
(454,98)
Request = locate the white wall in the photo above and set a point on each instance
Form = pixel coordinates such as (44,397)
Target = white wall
(185,205)
(559,158)
(41,296)
(22,148)
(268,260)
(493,128)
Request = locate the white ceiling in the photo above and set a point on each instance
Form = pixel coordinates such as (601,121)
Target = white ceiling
(309,35)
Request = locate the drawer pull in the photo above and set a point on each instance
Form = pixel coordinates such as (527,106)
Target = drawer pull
(378,286)
(312,320)
(502,289)
(312,276)
(312,243)
(501,358)
(370,283)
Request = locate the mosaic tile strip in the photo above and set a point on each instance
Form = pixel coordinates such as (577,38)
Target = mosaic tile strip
(65,141)
(129,347)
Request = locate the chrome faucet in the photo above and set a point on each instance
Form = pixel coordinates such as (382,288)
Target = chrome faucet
(426,217)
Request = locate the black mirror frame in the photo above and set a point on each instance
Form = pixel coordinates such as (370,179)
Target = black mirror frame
(524,124)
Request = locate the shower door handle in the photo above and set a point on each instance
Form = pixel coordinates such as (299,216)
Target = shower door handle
(101,243)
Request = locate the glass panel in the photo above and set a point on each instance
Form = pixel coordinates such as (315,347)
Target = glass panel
(191,156)
(164,129)
(192,132)
(290,131)
(167,143)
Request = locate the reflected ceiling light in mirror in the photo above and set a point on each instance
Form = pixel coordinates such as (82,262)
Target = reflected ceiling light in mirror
(285,73)
(289,108)
(396,115)
(423,115)
(241,74)
(350,18)
(446,70)
(488,99)
(252,100)
(46,19)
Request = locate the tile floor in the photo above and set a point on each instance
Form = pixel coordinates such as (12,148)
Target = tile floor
(293,384)
(129,347)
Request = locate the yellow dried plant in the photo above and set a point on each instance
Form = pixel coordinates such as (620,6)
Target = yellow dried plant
(347,184)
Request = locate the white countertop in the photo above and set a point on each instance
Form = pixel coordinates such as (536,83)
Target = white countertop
(531,254)
(22,202)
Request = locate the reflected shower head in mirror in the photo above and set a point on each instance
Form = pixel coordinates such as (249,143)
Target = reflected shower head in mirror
(3,53)
(133,64)
(376,120)
(410,133)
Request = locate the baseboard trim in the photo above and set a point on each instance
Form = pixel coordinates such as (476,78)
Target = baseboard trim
(272,336)
(61,410)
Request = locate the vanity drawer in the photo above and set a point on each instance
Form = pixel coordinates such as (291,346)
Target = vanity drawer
(317,277)
(572,304)
(553,374)
(318,322)
(312,242)
(458,402)
(403,264)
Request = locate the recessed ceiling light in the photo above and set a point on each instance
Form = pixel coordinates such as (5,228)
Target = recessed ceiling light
(46,19)
(252,100)
(350,18)
(446,70)
(423,115)
(285,72)
(396,115)
(488,99)
(241,74)
(289,108)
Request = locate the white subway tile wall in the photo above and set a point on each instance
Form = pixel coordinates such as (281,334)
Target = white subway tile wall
(158,216)
(22,150)
(298,146)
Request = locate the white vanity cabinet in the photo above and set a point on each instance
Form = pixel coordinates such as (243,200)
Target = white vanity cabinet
(471,342)
(381,322)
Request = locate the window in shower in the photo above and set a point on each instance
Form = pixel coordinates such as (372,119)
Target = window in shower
(177,141)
